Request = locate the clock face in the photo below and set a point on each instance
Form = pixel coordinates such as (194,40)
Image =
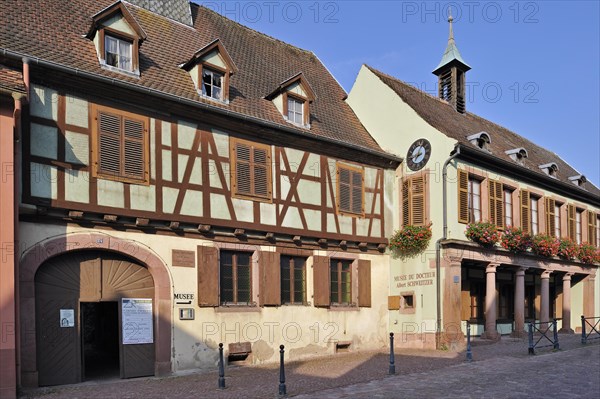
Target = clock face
(418,154)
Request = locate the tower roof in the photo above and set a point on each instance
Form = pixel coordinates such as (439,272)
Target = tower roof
(451,55)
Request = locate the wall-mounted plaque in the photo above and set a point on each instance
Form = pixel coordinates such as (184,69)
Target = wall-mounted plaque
(184,258)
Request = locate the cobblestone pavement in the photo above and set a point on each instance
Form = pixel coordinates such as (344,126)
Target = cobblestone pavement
(501,369)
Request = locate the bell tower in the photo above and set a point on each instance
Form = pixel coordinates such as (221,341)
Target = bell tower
(451,74)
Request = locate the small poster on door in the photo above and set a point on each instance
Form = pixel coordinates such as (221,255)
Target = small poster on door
(67,318)
(137,321)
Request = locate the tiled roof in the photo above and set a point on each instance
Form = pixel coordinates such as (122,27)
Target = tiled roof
(54,31)
(11,80)
(443,117)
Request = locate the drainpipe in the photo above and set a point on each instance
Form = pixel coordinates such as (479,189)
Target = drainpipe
(438,244)
(20,101)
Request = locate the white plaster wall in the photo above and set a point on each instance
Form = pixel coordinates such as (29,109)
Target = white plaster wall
(76,111)
(44,141)
(120,24)
(304,330)
(44,102)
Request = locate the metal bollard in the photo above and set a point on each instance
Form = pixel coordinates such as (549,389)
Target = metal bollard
(531,350)
(583,335)
(392,369)
(469,354)
(282,388)
(221,368)
(556,346)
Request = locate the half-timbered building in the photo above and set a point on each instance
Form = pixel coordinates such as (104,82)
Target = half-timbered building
(183,181)
(462,169)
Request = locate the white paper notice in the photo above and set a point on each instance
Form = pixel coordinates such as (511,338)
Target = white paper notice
(67,317)
(137,321)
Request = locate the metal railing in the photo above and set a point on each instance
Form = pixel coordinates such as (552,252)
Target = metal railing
(594,328)
(548,332)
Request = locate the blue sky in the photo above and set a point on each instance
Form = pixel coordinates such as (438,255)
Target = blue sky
(536,65)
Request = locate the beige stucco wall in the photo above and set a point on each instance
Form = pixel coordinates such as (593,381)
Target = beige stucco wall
(395,126)
(304,330)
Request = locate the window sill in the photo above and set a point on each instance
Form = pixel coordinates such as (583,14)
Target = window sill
(237,309)
(133,74)
(300,125)
(344,308)
(209,98)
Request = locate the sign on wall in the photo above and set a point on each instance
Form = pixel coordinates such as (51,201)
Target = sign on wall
(136,315)
(67,318)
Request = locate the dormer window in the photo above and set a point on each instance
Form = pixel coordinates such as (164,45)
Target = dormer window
(481,140)
(295,110)
(292,98)
(117,37)
(212,84)
(117,53)
(211,68)
(518,155)
(578,180)
(551,169)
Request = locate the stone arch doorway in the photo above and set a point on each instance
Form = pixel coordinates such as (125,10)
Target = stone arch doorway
(83,271)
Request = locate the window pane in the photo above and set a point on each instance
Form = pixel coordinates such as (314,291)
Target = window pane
(334,282)
(285,279)
(125,55)
(206,83)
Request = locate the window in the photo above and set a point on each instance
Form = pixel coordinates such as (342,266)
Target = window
(557,220)
(341,282)
(578,215)
(469,198)
(414,201)
(474,200)
(534,215)
(120,145)
(118,53)
(235,277)
(212,84)
(251,170)
(295,110)
(408,301)
(293,279)
(508,207)
(350,190)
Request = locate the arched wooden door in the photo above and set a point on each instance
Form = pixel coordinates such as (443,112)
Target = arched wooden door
(62,284)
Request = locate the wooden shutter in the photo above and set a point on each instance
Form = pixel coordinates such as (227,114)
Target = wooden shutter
(496,192)
(321,281)
(394,302)
(463,196)
(364,283)
(572,223)
(350,190)
(208,276)
(251,167)
(417,201)
(357,192)
(405,202)
(270,278)
(525,214)
(414,201)
(550,217)
(133,149)
(260,172)
(591,227)
(109,144)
